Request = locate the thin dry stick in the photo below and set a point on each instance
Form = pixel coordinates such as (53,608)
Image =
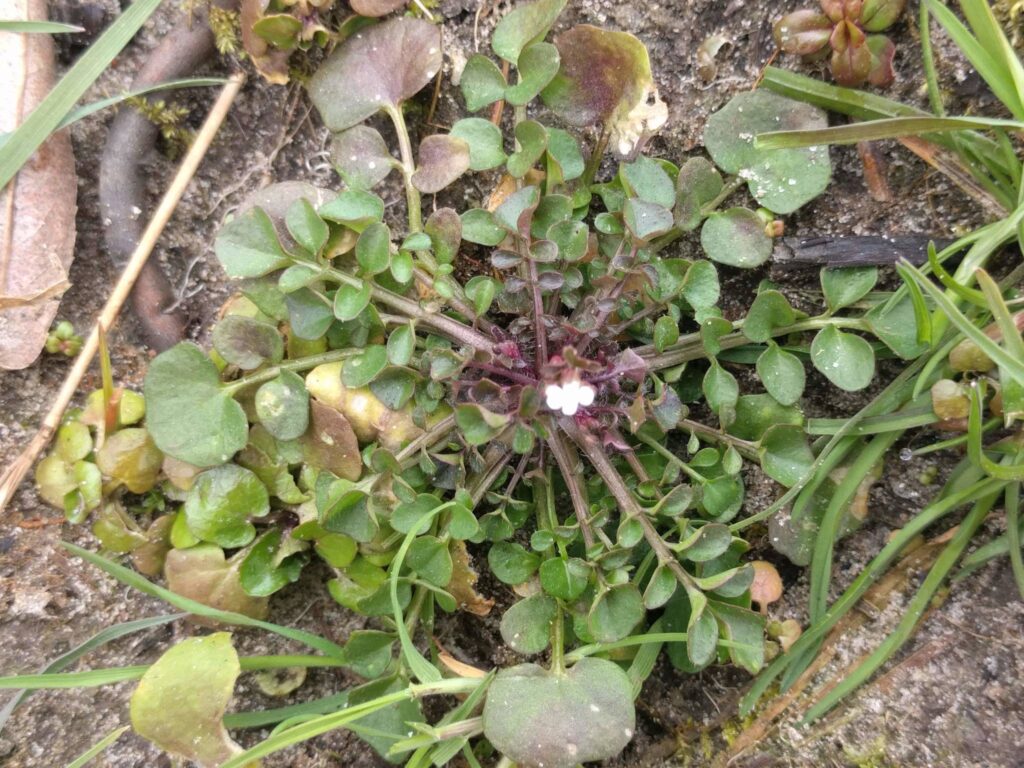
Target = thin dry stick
(16,472)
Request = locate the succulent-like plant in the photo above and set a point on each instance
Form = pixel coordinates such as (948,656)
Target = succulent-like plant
(847,31)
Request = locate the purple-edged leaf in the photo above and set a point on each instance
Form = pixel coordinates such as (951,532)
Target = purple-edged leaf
(377,67)
(882,53)
(444,228)
(442,160)
(880,14)
(361,156)
(376,8)
(603,76)
(528,23)
(803,32)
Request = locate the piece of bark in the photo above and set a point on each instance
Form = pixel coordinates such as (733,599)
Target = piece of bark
(852,250)
(37,208)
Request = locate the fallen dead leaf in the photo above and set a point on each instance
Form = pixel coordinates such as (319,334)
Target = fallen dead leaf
(37,208)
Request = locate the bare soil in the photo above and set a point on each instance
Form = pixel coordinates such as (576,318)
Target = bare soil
(952,698)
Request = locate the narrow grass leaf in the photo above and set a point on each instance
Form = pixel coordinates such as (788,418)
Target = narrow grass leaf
(98,747)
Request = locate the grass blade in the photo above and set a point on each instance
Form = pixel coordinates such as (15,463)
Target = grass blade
(89,678)
(88,109)
(98,747)
(142,584)
(261,718)
(45,118)
(913,612)
(38,27)
(96,641)
(873,130)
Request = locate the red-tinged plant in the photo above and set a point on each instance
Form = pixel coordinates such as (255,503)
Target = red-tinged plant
(846,28)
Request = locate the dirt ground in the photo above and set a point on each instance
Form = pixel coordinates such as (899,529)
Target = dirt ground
(952,699)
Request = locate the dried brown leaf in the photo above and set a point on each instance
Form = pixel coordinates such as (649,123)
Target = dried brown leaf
(37,209)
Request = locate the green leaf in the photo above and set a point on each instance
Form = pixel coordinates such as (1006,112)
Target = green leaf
(484,140)
(479,226)
(22,143)
(666,333)
(268,568)
(401,344)
(247,245)
(848,361)
(782,374)
(769,311)
(876,130)
(180,702)
(706,543)
(698,184)
(649,181)
(296,277)
(843,287)
(28,27)
(351,300)
(478,424)
(129,457)
(378,67)
(355,208)
(308,229)
(746,631)
(220,503)
(281,30)
(583,715)
(756,413)
(363,368)
(482,82)
(373,249)
(782,180)
(896,327)
(247,342)
(572,239)
(442,159)
(661,587)
(444,227)
(615,612)
(526,24)
(646,220)
(309,314)
(785,455)
(532,138)
(282,406)
(736,237)
(428,556)
(481,290)
(700,285)
(526,626)
(566,578)
(188,415)
(538,64)
(721,392)
(564,151)
(604,76)
(361,156)
(511,562)
(369,651)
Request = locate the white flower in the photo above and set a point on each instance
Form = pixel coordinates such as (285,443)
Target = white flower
(568,397)
(646,118)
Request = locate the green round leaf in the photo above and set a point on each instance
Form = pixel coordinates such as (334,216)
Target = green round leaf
(649,181)
(666,333)
(538,63)
(247,342)
(511,562)
(269,567)
(848,361)
(179,703)
(308,229)
(361,156)
(785,455)
(736,237)
(779,179)
(355,208)
(535,717)
(532,139)
(646,220)
(479,226)
(428,556)
(351,300)
(282,406)
(526,626)
(615,612)
(565,579)
(363,368)
(188,414)
(843,287)
(373,249)
(526,24)
(221,502)
(484,140)
(782,374)
(482,82)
